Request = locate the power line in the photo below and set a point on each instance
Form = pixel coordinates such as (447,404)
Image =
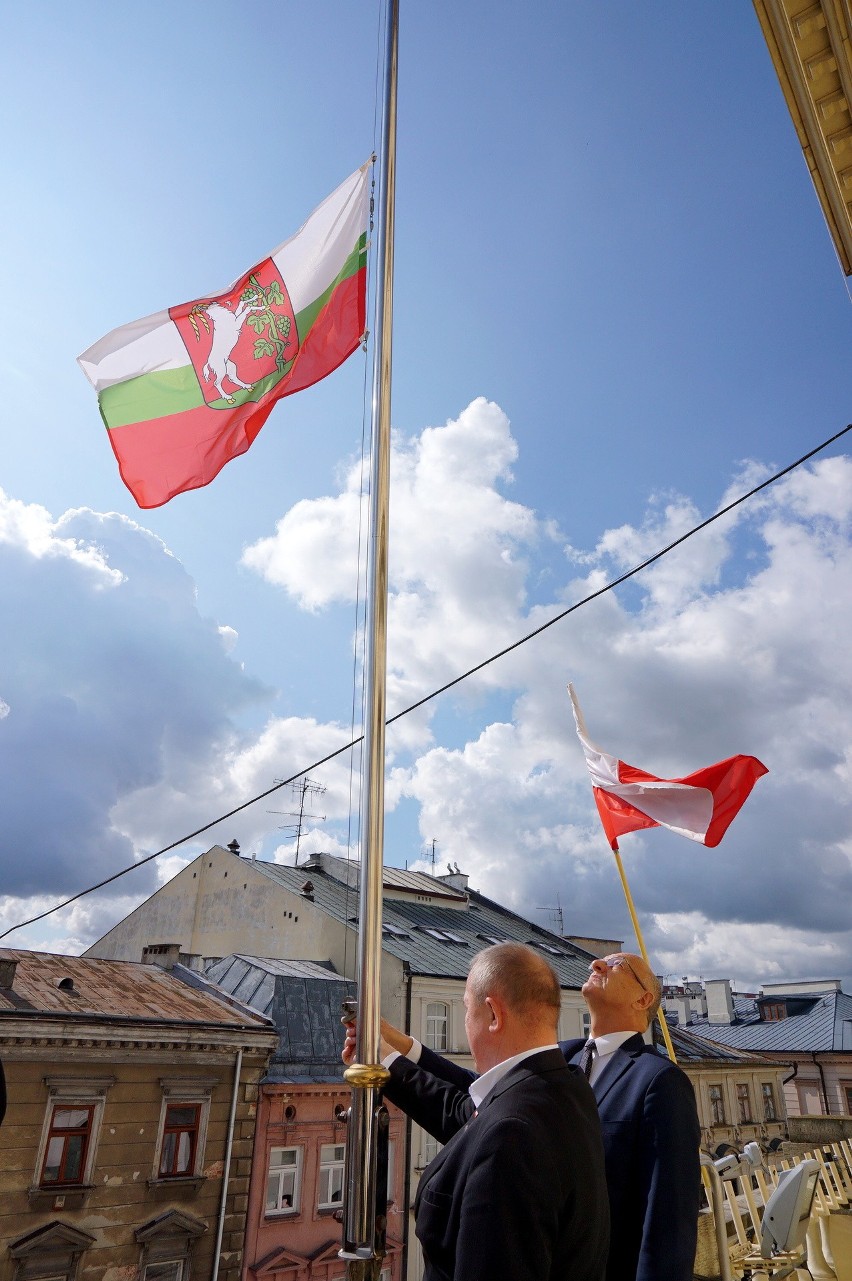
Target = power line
(471,671)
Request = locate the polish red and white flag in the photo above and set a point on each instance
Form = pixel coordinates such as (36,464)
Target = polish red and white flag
(701,806)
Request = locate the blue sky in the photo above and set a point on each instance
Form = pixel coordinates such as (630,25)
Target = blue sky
(617,304)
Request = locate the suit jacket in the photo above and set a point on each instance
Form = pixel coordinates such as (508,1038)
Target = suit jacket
(651,1139)
(519,1192)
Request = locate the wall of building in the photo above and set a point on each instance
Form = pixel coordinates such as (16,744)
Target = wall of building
(220,904)
(125,1191)
(304,1116)
(821,1088)
(727,1078)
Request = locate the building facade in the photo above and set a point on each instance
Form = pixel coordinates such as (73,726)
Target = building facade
(126,1146)
(296,1187)
(432,927)
(805,1027)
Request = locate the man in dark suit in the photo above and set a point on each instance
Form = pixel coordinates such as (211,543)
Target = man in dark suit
(647,1111)
(519,1192)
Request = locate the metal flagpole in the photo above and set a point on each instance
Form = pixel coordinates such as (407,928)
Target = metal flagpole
(365,1178)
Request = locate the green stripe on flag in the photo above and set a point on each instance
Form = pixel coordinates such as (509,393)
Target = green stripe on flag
(172,391)
(354,262)
(168,391)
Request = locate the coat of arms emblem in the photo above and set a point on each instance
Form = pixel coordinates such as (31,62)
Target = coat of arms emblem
(240,339)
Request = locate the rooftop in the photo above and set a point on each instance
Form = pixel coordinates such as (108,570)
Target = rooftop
(303,1000)
(819,1023)
(50,984)
(435,929)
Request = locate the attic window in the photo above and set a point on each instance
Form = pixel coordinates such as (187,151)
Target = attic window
(443,936)
(546,947)
(489,938)
(772,1011)
(395,931)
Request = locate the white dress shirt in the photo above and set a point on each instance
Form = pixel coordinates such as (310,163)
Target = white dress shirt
(604,1047)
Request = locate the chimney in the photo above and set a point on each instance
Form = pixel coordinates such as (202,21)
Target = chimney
(7,973)
(682,1007)
(166,955)
(458,880)
(720,1004)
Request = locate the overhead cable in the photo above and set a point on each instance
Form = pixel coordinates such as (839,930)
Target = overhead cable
(457,680)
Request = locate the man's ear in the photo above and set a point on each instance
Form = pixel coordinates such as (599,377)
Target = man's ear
(498,1013)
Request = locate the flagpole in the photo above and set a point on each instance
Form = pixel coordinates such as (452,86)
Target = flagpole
(639,939)
(365,1177)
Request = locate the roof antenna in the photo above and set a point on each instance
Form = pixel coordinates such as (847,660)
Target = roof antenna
(303,789)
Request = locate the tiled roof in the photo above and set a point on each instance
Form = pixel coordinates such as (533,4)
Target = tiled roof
(303,1000)
(88,987)
(823,1025)
(435,940)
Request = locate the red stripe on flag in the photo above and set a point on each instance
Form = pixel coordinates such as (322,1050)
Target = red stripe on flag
(618,817)
(163,457)
(729,782)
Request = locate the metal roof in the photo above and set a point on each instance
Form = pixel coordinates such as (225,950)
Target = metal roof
(691,1048)
(823,1025)
(433,939)
(303,1001)
(89,987)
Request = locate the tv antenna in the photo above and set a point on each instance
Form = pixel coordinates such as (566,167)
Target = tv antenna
(556,914)
(430,852)
(303,791)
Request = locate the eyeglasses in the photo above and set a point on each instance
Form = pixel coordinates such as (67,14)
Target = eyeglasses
(612,962)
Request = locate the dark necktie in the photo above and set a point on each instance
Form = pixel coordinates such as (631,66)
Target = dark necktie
(586,1058)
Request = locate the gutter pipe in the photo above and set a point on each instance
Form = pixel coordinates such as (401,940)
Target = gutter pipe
(220,1226)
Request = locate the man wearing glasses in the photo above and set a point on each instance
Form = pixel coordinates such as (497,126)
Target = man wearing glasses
(646,1106)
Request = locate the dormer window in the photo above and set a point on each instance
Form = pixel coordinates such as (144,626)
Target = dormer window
(772,1011)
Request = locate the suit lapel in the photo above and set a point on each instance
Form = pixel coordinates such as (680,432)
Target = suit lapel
(621,1061)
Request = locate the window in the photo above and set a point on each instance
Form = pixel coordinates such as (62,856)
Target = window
(50,1253)
(717,1105)
(67,1144)
(180,1140)
(284,1181)
(744,1101)
(331,1175)
(429,1148)
(772,1011)
(183,1128)
(847,1094)
(167,1243)
(69,1137)
(810,1103)
(437,1025)
(770,1112)
(587,1025)
(172,1271)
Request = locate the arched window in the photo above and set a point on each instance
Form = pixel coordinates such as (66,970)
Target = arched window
(437,1025)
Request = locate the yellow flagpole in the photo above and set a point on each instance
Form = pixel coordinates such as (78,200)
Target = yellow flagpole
(639,939)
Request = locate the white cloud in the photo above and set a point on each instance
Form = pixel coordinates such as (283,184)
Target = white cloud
(736,642)
(458,556)
(113,682)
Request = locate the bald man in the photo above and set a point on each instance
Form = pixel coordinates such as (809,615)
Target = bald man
(518,1193)
(647,1111)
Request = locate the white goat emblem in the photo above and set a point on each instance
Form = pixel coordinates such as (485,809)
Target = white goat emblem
(226,326)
